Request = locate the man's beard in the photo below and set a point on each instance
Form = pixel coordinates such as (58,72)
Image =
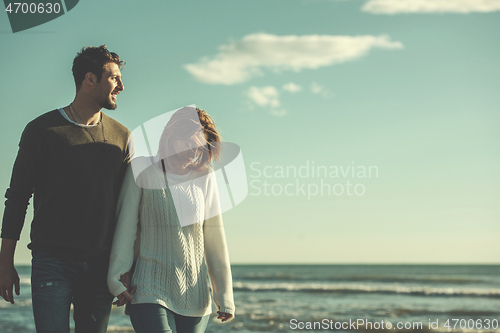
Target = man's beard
(107,104)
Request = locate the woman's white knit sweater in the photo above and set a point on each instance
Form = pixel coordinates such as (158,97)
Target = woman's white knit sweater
(173,262)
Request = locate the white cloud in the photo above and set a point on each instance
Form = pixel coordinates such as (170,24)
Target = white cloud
(265,96)
(292,87)
(316,88)
(242,60)
(319,89)
(430,6)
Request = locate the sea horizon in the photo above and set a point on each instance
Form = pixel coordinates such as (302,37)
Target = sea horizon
(277,297)
(345,264)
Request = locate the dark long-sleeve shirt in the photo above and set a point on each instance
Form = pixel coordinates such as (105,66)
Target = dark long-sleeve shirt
(75,177)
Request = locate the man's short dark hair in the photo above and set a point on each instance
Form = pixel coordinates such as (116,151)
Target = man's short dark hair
(92,59)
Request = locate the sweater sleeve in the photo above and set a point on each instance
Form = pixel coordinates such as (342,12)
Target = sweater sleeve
(122,251)
(22,184)
(216,254)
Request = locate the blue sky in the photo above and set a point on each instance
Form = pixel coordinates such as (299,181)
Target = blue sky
(410,87)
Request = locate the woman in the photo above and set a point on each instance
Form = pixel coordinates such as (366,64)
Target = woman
(171,211)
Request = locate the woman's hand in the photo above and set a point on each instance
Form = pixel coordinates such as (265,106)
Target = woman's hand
(125,296)
(224,316)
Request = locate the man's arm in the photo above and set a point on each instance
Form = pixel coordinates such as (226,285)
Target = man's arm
(8,274)
(18,196)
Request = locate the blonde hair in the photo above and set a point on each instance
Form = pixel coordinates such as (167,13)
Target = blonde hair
(185,124)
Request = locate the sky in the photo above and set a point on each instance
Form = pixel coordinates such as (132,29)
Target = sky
(368,128)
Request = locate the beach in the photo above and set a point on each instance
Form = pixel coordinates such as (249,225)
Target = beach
(306,298)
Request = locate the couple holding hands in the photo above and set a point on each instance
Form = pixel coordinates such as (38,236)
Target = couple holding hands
(151,236)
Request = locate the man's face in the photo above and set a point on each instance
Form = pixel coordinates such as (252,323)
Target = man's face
(110,85)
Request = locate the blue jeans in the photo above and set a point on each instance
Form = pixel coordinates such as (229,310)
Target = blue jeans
(56,282)
(154,318)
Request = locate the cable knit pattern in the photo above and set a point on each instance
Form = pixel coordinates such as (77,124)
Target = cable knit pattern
(174,261)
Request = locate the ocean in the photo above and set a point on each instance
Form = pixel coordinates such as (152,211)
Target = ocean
(341,298)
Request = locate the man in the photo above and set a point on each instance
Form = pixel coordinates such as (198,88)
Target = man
(73,159)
